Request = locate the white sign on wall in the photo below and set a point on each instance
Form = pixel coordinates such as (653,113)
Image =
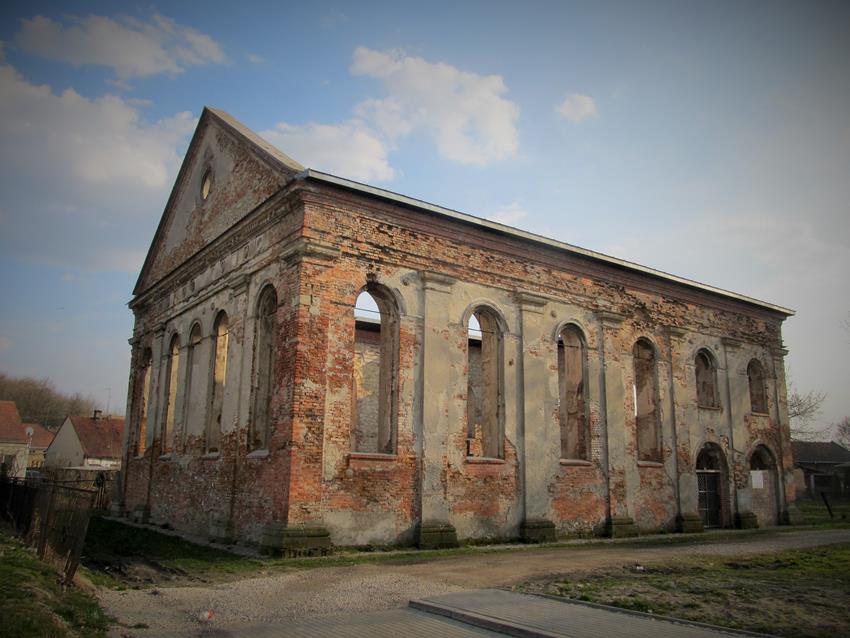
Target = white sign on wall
(757,479)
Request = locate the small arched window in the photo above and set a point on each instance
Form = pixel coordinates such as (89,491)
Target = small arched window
(572,367)
(171,371)
(264,347)
(218,378)
(143,397)
(645,400)
(706,380)
(758,394)
(485,385)
(192,372)
(375,371)
(761,459)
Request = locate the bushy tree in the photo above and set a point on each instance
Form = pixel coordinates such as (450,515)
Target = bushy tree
(39,401)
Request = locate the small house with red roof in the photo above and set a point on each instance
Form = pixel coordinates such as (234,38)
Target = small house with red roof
(39,438)
(87,442)
(14,451)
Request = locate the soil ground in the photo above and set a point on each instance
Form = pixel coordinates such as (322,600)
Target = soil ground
(163,605)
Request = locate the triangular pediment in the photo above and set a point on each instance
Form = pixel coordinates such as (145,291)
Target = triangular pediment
(227,172)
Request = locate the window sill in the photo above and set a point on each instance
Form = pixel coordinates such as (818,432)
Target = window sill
(258,454)
(165,457)
(761,414)
(711,408)
(650,464)
(372,456)
(211,456)
(484,460)
(576,462)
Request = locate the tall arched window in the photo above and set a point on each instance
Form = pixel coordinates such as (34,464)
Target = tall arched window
(572,366)
(192,372)
(264,346)
(171,371)
(645,399)
(758,394)
(375,374)
(712,482)
(217,381)
(143,401)
(485,385)
(706,380)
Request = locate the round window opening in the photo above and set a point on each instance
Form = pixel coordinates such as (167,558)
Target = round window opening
(206,185)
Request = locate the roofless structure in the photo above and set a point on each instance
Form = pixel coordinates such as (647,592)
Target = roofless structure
(317,361)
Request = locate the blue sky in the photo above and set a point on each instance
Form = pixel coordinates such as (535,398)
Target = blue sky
(710,140)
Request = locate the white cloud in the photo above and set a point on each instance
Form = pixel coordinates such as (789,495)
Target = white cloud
(132,47)
(577,107)
(80,174)
(471,120)
(348,149)
(254,58)
(509,215)
(5,344)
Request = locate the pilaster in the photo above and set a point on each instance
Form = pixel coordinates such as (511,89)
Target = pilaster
(435,528)
(620,521)
(535,440)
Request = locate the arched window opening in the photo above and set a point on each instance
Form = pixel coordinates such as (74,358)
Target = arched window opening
(485,385)
(645,400)
(264,347)
(572,367)
(758,393)
(171,371)
(143,397)
(192,372)
(375,371)
(711,486)
(761,459)
(218,379)
(706,378)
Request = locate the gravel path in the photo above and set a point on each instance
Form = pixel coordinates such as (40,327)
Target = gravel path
(347,590)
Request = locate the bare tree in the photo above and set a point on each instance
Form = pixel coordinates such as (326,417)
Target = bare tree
(842,432)
(803,409)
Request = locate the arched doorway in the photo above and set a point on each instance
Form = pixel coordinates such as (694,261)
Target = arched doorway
(711,486)
(763,486)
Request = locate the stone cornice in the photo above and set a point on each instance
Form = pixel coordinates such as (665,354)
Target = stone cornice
(436,281)
(530,302)
(676,332)
(312,249)
(731,343)
(238,285)
(610,319)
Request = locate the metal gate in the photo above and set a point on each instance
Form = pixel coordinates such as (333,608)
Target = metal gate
(50,517)
(708,482)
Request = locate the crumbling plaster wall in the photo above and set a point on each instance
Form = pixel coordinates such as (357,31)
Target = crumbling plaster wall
(235,491)
(536,300)
(438,272)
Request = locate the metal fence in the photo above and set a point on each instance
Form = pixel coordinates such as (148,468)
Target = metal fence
(50,517)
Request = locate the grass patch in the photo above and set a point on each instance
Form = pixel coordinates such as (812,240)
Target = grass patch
(814,511)
(33,604)
(794,593)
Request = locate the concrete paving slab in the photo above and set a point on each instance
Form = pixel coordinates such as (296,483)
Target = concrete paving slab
(394,623)
(530,616)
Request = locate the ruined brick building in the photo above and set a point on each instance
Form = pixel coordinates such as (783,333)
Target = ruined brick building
(508,385)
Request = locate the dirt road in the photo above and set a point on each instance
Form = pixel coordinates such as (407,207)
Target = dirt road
(344,590)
